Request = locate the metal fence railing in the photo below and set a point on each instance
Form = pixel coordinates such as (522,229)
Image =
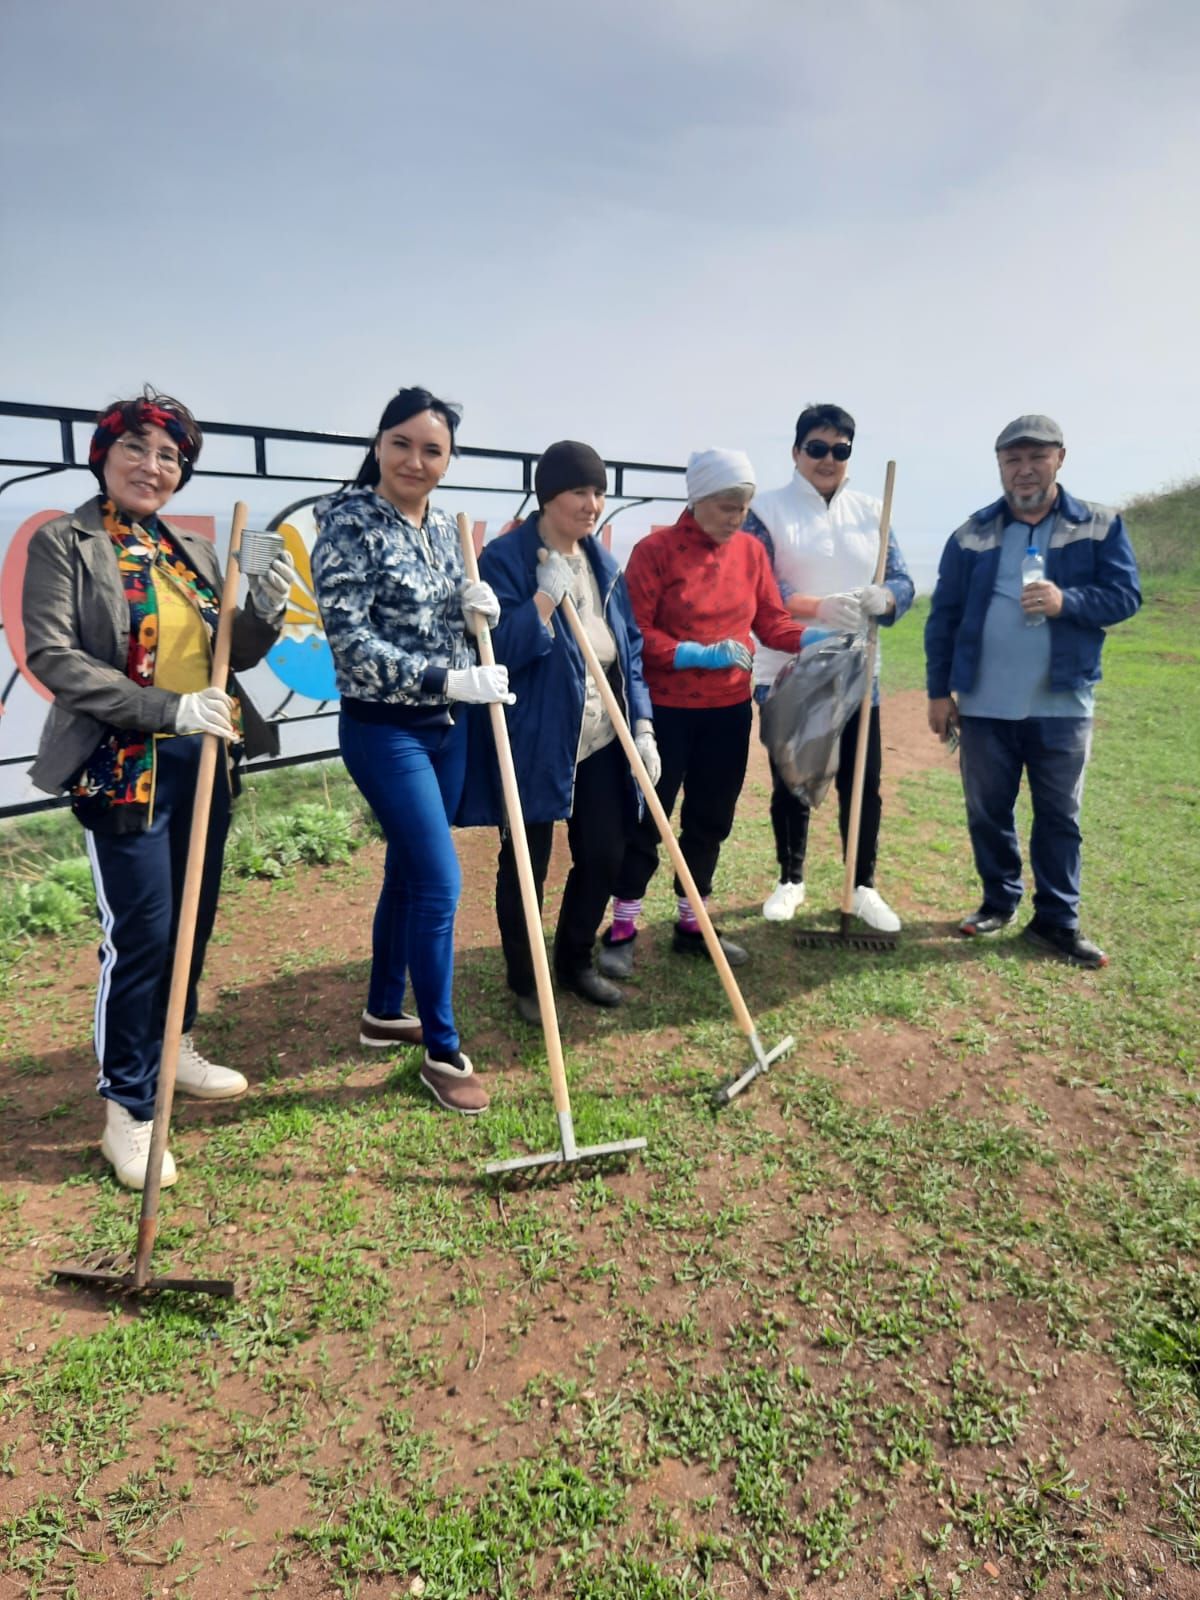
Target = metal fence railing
(282,455)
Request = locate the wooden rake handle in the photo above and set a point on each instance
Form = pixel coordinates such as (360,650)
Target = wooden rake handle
(613,706)
(520,844)
(854,822)
(189,906)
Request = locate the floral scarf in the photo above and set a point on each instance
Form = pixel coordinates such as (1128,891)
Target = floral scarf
(117,784)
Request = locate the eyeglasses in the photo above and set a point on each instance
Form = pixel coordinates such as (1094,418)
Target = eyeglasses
(168,460)
(818,450)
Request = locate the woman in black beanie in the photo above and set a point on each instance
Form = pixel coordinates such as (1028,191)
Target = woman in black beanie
(569,762)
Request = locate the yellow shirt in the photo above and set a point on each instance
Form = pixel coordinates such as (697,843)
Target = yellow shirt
(183,660)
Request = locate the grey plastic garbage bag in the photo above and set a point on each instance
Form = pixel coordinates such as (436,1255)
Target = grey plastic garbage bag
(810,703)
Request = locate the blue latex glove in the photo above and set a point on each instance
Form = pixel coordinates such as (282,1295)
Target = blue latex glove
(712,657)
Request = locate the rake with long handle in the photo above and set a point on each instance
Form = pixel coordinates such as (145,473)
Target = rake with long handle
(568,1152)
(185,938)
(848,936)
(762,1058)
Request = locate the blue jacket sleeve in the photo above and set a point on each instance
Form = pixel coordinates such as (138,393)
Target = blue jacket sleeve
(520,636)
(639,695)
(757,528)
(1115,593)
(896,578)
(942,624)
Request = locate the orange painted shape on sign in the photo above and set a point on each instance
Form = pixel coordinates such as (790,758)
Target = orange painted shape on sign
(12,580)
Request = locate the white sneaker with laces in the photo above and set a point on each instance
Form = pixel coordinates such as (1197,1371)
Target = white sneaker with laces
(126,1144)
(783,902)
(870,907)
(197,1076)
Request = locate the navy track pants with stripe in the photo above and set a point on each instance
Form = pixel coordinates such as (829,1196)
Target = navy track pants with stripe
(139,883)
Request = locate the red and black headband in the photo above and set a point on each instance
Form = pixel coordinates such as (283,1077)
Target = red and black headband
(116,421)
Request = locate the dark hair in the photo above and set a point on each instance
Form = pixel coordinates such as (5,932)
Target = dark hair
(405,403)
(823,416)
(151,408)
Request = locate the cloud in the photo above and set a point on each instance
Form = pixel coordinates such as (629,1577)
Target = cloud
(666,225)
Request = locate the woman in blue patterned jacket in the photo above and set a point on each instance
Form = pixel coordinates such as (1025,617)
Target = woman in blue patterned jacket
(389,580)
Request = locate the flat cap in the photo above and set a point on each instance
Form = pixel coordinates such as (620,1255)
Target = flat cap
(1030,429)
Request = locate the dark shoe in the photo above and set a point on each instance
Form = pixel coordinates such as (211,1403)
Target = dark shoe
(453,1084)
(528,1009)
(615,960)
(380,1032)
(590,986)
(983,923)
(1068,944)
(686,943)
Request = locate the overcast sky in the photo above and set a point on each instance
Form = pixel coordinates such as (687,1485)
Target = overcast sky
(652,224)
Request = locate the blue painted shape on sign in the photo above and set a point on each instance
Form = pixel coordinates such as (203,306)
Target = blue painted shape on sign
(305,666)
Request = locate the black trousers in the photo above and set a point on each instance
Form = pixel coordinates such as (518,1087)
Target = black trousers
(789,816)
(704,750)
(596,833)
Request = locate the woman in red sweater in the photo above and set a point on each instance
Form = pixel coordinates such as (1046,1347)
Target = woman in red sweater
(699,590)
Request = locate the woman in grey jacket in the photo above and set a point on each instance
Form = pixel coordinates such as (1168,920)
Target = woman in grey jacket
(120,612)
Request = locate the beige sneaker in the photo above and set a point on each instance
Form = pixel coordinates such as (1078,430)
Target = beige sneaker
(126,1144)
(197,1076)
(453,1084)
(384,1033)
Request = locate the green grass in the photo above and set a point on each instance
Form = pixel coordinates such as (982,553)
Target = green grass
(920,1305)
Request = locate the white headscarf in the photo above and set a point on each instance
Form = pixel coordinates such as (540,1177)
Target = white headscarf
(714,471)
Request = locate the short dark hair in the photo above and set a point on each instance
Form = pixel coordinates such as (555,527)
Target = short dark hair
(405,403)
(151,408)
(822,416)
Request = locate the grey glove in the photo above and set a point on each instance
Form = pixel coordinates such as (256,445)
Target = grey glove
(555,577)
(479,604)
(647,748)
(875,600)
(479,686)
(841,611)
(269,590)
(205,711)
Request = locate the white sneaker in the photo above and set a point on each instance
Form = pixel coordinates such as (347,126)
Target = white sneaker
(870,907)
(783,902)
(204,1079)
(126,1144)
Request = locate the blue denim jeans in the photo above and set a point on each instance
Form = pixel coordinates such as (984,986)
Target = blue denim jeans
(412,779)
(1053,751)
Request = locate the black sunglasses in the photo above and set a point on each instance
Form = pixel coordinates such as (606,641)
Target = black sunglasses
(818,450)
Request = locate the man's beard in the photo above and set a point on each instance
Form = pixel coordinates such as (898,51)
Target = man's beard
(1031,502)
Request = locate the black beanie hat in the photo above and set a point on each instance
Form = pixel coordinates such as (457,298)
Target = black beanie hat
(568,465)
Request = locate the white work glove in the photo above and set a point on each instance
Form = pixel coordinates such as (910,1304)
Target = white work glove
(555,577)
(205,711)
(840,611)
(647,748)
(479,604)
(479,686)
(875,600)
(270,589)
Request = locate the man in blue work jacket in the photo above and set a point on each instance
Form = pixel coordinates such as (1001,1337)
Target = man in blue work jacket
(1012,659)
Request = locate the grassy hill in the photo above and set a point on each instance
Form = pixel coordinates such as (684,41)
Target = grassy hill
(1165,529)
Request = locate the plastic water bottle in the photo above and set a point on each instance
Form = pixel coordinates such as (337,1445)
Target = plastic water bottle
(1033,570)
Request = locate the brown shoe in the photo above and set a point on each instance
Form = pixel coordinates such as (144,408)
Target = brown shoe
(453,1084)
(380,1032)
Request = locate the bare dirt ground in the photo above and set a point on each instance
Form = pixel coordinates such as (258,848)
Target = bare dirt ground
(284,981)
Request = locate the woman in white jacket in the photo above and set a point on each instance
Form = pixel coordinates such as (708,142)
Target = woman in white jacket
(823,541)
